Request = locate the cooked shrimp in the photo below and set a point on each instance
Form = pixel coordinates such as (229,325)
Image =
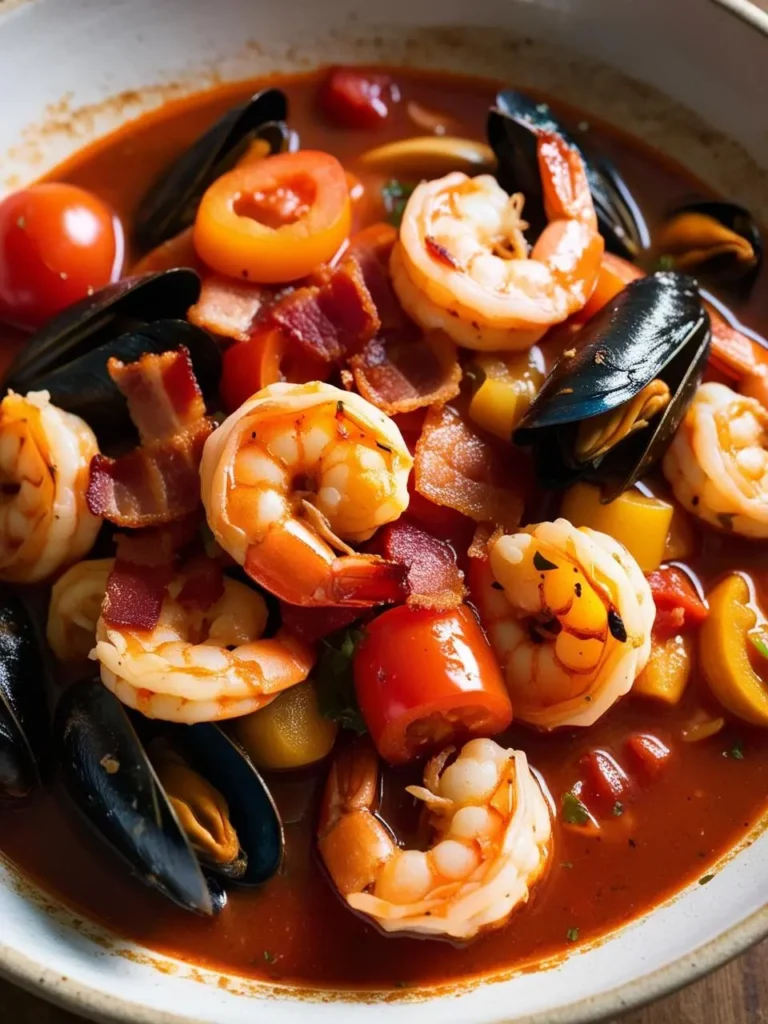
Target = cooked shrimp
(492,841)
(201,666)
(569,615)
(45,522)
(462,263)
(717,463)
(292,475)
(75,607)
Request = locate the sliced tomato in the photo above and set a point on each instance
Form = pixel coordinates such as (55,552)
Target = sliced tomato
(650,753)
(605,779)
(678,606)
(275,220)
(427,679)
(357,99)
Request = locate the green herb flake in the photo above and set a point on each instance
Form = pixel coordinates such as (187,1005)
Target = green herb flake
(269,958)
(705,878)
(395,195)
(618,808)
(665,262)
(573,811)
(572,935)
(736,753)
(760,642)
(335,682)
(543,564)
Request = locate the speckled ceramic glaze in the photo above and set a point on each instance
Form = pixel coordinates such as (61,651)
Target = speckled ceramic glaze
(688,76)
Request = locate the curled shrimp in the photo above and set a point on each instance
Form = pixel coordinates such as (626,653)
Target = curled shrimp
(492,841)
(717,463)
(45,522)
(75,607)
(462,263)
(569,615)
(201,666)
(294,474)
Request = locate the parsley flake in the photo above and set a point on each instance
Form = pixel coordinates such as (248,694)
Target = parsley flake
(705,878)
(573,811)
(618,808)
(335,683)
(543,564)
(736,753)
(572,934)
(395,195)
(269,957)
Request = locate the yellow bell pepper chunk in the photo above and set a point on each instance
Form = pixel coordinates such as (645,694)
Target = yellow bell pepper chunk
(641,524)
(681,539)
(289,732)
(509,385)
(724,647)
(666,675)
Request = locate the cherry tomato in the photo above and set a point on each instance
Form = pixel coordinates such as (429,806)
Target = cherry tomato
(427,679)
(275,220)
(58,243)
(357,99)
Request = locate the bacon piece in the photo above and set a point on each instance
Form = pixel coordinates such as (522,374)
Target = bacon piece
(434,580)
(158,482)
(158,546)
(203,583)
(457,467)
(134,596)
(372,248)
(400,376)
(229,308)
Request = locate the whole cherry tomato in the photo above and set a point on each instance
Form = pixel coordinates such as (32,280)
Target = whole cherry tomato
(357,99)
(58,243)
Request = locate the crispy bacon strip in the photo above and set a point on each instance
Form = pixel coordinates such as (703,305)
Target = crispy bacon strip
(158,482)
(400,376)
(134,596)
(372,248)
(229,308)
(458,467)
(158,546)
(434,580)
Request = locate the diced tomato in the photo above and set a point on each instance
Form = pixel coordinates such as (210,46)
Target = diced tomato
(650,753)
(312,624)
(604,777)
(678,606)
(427,679)
(357,99)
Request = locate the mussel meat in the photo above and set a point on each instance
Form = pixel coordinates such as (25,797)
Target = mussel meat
(513,125)
(23,708)
(182,805)
(613,401)
(68,356)
(170,204)
(715,240)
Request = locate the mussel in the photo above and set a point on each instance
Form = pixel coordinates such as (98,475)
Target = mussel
(170,204)
(718,241)
(68,356)
(513,124)
(182,805)
(613,401)
(23,710)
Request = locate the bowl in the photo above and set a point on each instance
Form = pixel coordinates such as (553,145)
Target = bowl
(689,78)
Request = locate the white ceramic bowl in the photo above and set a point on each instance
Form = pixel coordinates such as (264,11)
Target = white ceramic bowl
(72,69)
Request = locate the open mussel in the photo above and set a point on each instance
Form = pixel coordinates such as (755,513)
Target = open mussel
(170,204)
(23,710)
(513,125)
(68,356)
(181,804)
(613,401)
(717,241)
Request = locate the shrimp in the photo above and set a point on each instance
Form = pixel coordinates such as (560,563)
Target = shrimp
(462,263)
(569,615)
(292,475)
(75,607)
(492,841)
(201,666)
(45,522)
(717,463)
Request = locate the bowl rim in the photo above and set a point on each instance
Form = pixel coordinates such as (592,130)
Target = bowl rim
(36,978)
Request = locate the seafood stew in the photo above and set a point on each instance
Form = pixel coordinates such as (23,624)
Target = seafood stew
(390,465)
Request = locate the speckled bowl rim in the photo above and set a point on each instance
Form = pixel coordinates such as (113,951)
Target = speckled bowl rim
(78,998)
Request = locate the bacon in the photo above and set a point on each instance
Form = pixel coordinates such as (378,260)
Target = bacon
(229,308)
(400,376)
(434,580)
(158,482)
(158,546)
(203,583)
(372,248)
(458,467)
(134,596)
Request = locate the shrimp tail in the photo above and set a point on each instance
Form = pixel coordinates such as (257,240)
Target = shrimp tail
(564,181)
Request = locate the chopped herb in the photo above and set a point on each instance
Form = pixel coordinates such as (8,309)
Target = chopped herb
(573,811)
(618,808)
(760,643)
(395,195)
(566,864)
(705,878)
(577,589)
(616,626)
(335,684)
(543,564)
(572,935)
(736,753)
(665,262)
(269,957)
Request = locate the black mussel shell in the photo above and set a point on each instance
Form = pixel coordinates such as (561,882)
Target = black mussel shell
(24,742)
(722,245)
(169,205)
(655,328)
(513,125)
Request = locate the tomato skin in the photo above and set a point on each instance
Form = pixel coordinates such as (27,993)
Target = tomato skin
(430,669)
(678,606)
(58,243)
(357,99)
